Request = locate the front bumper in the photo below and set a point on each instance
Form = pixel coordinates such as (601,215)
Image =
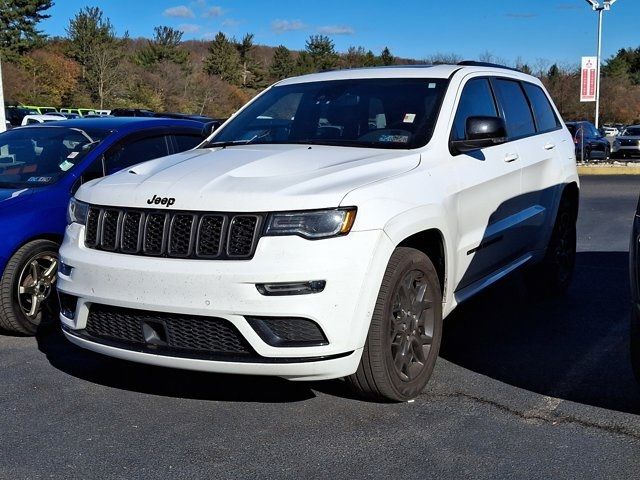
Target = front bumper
(352,267)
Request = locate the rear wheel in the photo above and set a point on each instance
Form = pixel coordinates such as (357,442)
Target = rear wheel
(27,288)
(405,332)
(553,274)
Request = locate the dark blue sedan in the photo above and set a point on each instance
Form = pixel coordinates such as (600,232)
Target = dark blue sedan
(40,169)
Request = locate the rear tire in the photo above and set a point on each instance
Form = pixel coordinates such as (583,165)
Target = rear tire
(635,343)
(552,276)
(27,288)
(405,333)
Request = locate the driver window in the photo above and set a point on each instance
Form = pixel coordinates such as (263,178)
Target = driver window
(476,100)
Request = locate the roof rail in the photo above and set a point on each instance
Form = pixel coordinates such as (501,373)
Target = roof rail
(473,63)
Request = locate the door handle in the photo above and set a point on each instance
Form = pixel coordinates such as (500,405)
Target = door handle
(549,146)
(510,157)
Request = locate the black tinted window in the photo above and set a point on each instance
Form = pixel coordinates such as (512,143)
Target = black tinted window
(187,142)
(476,100)
(545,116)
(136,152)
(515,107)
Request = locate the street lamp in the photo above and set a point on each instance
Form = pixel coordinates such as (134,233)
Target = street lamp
(598,7)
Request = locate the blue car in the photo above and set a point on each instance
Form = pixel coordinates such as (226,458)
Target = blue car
(40,169)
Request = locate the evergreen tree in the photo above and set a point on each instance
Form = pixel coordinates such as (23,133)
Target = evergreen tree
(223,60)
(386,58)
(165,46)
(304,64)
(282,65)
(322,52)
(18,20)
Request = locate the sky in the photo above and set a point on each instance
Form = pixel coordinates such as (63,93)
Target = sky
(530,30)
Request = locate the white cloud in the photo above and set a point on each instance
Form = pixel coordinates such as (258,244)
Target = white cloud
(336,30)
(213,12)
(189,27)
(180,11)
(281,26)
(230,23)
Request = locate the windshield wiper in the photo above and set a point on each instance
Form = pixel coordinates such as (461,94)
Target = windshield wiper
(226,144)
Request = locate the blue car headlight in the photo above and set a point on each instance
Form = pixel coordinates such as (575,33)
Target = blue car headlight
(77,212)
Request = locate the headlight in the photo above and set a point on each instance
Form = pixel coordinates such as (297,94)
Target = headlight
(77,212)
(313,224)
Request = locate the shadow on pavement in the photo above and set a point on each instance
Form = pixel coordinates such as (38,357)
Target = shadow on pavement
(115,373)
(574,347)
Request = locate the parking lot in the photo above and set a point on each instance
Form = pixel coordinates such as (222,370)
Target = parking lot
(524,388)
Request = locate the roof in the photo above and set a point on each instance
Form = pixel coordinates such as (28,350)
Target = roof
(402,71)
(116,123)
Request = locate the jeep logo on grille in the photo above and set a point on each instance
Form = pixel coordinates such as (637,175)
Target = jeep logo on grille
(167,201)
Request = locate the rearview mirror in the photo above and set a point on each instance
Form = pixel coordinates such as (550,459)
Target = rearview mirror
(481,132)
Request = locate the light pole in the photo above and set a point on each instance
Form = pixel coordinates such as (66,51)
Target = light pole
(597,7)
(3,122)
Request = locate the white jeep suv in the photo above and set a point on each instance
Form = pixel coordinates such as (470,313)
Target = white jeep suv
(327,228)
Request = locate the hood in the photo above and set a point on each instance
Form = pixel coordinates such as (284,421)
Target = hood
(11,196)
(250,178)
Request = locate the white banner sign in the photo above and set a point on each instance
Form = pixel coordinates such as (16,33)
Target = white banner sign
(588,79)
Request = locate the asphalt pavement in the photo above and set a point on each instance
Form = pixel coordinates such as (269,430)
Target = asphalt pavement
(525,388)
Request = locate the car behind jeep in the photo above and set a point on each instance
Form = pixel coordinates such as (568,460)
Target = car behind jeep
(327,228)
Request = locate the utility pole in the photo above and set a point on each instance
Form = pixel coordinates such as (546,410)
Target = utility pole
(600,8)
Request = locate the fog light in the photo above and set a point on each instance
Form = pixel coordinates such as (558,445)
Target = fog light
(292,288)
(65,269)
(68,305)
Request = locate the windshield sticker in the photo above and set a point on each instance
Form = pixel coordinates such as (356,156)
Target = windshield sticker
(66,165)
(73,155)
(409,118)
(394,138)
(39,179)
(432,85)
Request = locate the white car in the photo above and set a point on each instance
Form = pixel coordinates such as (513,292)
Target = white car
(327,228)
(37,119)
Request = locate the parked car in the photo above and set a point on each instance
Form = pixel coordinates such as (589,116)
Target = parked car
(327,228)
(590,144)
(35,119)
(40,168)
(131,112)
(41,110)
(16,114)
(629,142)
(609,131)
(82,112)
(634,270)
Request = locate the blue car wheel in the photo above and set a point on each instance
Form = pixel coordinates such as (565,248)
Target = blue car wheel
(27,288)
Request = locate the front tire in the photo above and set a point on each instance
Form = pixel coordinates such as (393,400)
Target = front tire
(27,288)
(405,332)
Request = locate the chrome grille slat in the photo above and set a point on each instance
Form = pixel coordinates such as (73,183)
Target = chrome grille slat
(176,234)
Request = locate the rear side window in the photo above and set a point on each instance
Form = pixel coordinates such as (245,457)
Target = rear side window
(515,108)
(545,116)
(187,142)
(136,152)
(476,100)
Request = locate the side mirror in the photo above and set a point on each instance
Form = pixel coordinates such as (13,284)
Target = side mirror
(481,132)
(209,128)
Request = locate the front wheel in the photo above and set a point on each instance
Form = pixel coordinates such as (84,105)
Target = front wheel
(405,332)
(27,287)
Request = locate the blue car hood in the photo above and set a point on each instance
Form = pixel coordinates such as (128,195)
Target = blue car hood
(11,196)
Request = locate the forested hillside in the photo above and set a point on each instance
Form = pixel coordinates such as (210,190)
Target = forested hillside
(93,66)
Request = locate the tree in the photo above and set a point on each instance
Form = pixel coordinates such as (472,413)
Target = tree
(18,20)
(322,52)
(386,58)
(282,65)
(223,60)
(164,47)
(304,64)
(98,50)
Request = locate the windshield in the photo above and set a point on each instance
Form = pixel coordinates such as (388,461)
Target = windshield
(632,132)
(376,113)
(37,156)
